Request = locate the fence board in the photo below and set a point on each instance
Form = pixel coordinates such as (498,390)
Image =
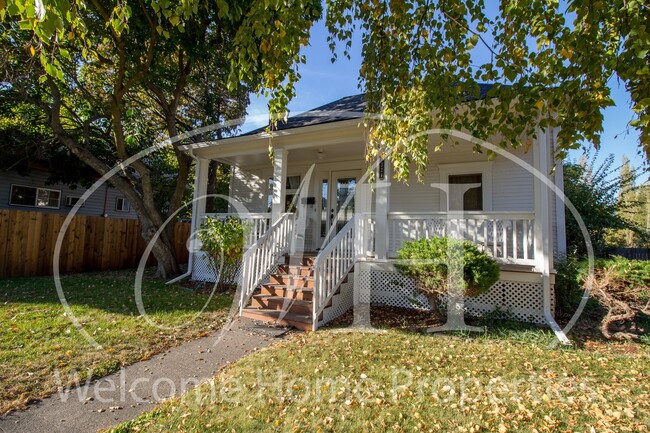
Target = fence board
(28,238)
(4,239)
(633,253)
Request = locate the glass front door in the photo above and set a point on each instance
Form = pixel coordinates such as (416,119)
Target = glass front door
(341,200)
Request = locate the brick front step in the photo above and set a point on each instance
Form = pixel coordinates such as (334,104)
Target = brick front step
(292,280)
(303,294)
(306,260)
(280,303)
(299,321)
(297,270)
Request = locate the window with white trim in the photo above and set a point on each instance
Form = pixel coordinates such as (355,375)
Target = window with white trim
(122,205)
(469,185)
(72,200)
(466,192)
(292,185)
(34,197)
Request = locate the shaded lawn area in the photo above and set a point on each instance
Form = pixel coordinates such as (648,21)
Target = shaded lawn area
(38,341)
(336,380)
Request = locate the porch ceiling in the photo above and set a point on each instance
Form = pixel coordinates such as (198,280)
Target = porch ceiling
(324,143)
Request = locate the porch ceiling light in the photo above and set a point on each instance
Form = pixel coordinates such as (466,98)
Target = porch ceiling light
(320,154)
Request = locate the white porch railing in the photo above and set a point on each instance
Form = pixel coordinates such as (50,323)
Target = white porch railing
(332,266)
(260,258)
(255,224)
(506,236)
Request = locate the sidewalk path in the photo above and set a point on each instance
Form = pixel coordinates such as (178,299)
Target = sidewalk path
(133,390)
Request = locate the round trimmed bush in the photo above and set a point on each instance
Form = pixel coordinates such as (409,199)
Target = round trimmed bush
(428,262)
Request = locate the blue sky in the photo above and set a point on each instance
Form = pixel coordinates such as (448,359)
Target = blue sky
(323,81)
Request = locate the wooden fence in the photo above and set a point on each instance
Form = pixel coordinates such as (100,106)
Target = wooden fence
(91,243)
(633,253)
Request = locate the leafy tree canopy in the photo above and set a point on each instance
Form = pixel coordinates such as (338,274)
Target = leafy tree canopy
(594,191)
(113,78)
(554,59)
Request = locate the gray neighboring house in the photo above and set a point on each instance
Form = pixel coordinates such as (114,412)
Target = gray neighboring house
(31,193)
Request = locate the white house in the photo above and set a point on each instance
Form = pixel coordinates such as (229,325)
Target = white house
(313,200)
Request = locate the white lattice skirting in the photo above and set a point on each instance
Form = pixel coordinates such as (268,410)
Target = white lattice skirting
(341,302)
(519,300)
(203,269)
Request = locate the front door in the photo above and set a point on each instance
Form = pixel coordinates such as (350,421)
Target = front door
(341,199)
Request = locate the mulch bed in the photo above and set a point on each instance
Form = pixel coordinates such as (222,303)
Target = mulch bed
(585,334)
(382,316)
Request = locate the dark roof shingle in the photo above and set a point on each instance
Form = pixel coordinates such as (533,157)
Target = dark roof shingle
(346,108)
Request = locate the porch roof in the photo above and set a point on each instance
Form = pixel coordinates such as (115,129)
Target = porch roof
(319,123)
(346,108)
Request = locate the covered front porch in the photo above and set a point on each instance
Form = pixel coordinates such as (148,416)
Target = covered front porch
(313,197)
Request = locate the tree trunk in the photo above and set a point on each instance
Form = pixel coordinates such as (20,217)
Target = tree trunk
(150,218)
(162,250)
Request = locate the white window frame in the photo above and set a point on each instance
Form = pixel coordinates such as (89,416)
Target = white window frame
(483,168)
(11,193)
(78,197)
(124,200)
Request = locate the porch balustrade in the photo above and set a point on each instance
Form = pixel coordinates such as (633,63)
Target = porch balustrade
(508,237)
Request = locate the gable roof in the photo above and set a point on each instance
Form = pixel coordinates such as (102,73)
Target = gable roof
(346,108)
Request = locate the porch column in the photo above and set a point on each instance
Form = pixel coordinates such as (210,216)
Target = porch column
(201,171)
(382,205)
(543,215)
(543,233)
(279,184)
(560,219)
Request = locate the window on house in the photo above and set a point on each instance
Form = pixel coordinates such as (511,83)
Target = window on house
(323,208)
(466,192)
(269,195)
(35,197)
(72,200)
(122,205)
(293,183)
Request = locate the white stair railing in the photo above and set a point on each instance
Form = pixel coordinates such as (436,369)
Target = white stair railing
(260,258)
(332,266)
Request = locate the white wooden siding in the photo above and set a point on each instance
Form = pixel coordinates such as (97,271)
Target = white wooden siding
(512,185)
(249,188)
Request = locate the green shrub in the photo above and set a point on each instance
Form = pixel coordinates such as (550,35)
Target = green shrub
(620,293)
(633,273)
(568,289)
(427,262)
(223,240)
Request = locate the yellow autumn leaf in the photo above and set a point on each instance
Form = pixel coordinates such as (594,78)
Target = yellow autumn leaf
(32,51)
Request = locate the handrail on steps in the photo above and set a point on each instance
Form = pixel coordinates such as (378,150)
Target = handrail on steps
(331,267)
(262,255)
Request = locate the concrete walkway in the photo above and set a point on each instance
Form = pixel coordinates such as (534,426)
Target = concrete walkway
(135,389)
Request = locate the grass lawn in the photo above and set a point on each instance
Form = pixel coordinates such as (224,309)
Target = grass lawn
(400,381)
(37,339)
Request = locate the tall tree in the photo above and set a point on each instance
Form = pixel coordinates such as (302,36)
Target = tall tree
(594,191)
(554,60)
(91,68)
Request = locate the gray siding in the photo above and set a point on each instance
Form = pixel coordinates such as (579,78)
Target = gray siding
(102,201)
